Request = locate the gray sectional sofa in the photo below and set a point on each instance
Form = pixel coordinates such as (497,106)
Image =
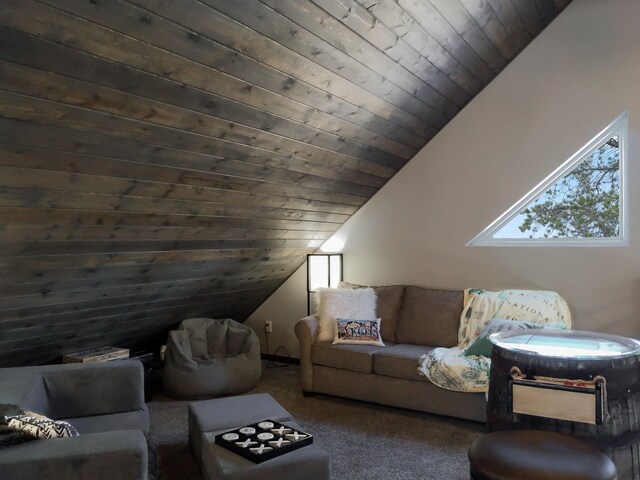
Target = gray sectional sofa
(103,401)
(414,321)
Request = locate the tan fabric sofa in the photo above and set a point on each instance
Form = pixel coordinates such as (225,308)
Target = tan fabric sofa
(414,321)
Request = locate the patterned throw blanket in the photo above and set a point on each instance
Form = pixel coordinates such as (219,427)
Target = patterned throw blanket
(17,426)
(451,369)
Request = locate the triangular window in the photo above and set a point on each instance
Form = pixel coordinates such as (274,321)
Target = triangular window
(581,203)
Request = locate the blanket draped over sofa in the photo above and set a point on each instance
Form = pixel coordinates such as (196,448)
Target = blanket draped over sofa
(451,369)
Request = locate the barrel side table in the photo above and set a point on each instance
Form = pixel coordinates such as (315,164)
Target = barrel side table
(570,360)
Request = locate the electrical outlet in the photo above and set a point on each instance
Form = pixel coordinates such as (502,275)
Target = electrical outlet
(268,326)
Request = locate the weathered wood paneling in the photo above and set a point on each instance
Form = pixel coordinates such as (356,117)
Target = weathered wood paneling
(160,160)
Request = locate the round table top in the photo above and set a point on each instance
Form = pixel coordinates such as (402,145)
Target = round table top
(576,344)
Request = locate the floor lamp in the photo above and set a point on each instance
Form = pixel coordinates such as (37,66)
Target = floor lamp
(323,270)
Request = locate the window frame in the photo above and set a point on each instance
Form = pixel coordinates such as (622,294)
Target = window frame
(618,127)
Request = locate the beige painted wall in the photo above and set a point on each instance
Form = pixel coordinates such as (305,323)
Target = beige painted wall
(570,83)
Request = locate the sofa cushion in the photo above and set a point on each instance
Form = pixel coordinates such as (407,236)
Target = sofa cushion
(387,308)
(400,361)
(430,317)
(134,420)
(112,455)
(357,358)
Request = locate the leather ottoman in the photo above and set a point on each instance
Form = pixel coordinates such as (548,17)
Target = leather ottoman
(540,455)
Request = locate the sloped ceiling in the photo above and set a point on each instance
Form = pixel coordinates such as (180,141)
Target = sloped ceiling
(167,159)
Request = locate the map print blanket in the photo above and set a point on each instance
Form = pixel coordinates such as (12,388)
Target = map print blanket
(451,369)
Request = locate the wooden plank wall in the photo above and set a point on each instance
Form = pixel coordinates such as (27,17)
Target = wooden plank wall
(166,159)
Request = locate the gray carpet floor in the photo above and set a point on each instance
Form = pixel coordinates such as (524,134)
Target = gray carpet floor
(365,441)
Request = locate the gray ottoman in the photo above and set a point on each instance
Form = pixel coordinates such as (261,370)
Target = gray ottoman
(210,417)
(230,412)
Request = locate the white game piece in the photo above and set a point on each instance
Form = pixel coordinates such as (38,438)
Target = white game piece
(265,436)
(248,430)
(279,442)
(247,443)
(295,436)
(266,425)
(262,448)
(230,437)
(281,431)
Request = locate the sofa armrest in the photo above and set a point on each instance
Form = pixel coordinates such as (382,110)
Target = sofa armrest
(119,455)
(306,330)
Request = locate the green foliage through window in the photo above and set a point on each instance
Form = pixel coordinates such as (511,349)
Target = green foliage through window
(584,203)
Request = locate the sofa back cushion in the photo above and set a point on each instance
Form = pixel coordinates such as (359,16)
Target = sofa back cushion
(79,390)
(23,386)
(430,317)
(387,308)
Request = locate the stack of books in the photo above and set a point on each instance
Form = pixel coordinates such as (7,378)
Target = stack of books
(101,354)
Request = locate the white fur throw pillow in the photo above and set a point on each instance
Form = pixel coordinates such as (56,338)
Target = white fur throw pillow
(343,303)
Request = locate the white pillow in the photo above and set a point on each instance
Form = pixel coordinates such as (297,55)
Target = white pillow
(343,303)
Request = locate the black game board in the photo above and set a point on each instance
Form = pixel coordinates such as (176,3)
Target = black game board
(264,440)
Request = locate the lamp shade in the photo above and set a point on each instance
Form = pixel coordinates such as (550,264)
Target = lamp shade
(323,270)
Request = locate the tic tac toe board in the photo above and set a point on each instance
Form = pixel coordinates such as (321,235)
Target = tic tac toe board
(264,440)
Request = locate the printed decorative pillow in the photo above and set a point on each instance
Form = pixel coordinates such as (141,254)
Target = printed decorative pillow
(482,345)
(358,332)
(334,303)
(39,426)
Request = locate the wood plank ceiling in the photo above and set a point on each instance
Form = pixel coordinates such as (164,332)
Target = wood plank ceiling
(161,159)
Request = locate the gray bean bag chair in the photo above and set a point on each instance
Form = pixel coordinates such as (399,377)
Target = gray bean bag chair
(208,358)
